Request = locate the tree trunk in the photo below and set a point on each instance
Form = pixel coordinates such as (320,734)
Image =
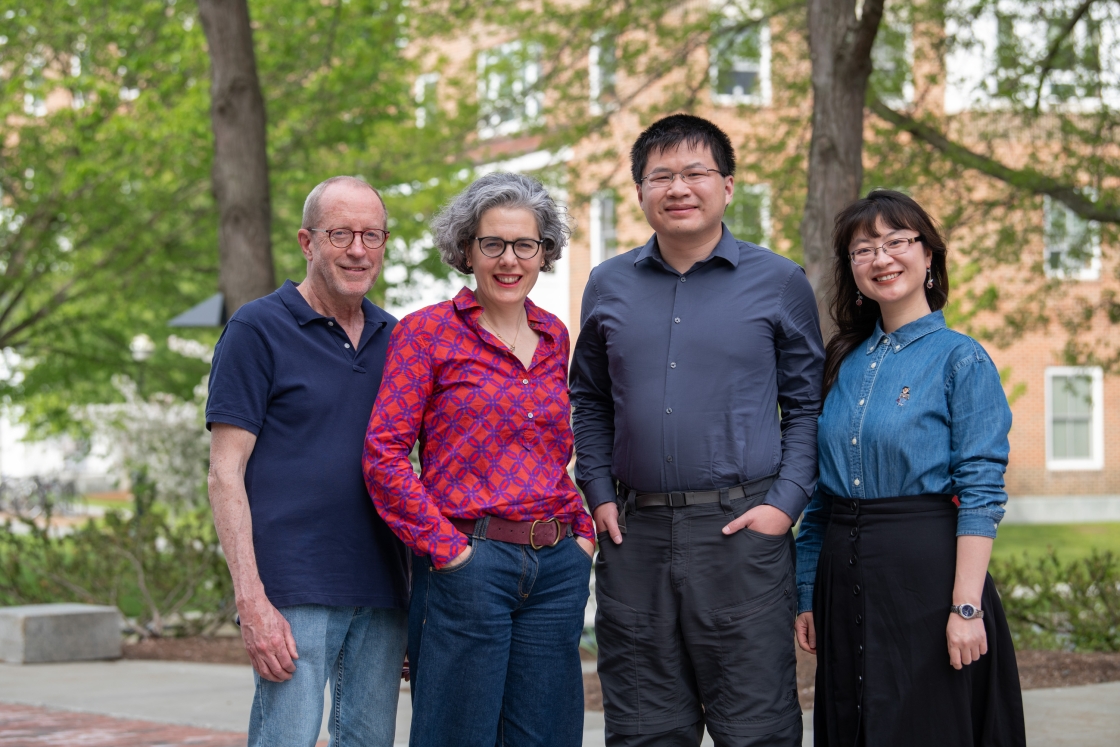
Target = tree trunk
(840,49)
(240,172)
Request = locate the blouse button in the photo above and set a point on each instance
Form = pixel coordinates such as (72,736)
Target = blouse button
(855,481)
(530,415)
(524,381)
(897,348)
(861,403)
(873,365)
(854,442)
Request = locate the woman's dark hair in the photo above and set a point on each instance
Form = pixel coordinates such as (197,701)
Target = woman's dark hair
(670,132)
(854,324)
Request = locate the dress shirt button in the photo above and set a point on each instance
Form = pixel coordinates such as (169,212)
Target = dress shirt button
(852,560)
(854,532)
(676,320)
(530,415)
(683,278)
(873,365)
(859,621)
(524,381)
(668,410)
(855,590)
(854,441)
(855,481)
(861,403)
(346,345)
(673,365)
(330,324)
(668,459)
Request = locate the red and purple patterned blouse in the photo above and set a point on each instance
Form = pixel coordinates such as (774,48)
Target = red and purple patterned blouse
(495,438)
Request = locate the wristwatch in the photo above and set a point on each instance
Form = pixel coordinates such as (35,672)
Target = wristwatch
(967,611)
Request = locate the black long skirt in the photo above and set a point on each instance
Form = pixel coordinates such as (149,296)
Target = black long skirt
(881,603)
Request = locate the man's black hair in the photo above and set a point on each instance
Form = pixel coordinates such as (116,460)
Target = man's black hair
(670,132)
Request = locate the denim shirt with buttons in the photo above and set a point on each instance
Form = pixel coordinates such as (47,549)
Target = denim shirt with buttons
(914,412)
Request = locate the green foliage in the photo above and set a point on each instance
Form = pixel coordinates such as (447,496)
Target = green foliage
(1071,541)
(108,227)
(1051,604)
(165,572)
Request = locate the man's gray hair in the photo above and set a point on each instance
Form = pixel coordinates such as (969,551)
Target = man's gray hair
(312,208)
(455,226)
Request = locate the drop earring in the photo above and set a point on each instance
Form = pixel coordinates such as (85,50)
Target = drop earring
(859,298)
(929,277)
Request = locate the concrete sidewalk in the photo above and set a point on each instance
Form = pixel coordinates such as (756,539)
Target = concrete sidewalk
(217,697)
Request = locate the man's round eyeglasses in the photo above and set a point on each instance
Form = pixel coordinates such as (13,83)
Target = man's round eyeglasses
(662,179)
(495,246)
(893,248)
(344,237)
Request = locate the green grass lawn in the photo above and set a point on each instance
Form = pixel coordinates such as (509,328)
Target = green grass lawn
(1070,541)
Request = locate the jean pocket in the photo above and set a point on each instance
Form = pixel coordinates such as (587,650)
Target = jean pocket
(445,571)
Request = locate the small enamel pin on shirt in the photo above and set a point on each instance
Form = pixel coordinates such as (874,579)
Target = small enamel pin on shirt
(902,398)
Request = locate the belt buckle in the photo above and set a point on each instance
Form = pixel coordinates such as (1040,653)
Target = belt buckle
(673,497)
(533,528)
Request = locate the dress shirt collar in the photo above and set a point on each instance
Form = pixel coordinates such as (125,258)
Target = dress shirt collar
(303,313)
(727,249)
(907,333)
(469,306)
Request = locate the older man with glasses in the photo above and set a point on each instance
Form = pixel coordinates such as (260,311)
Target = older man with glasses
(321,583)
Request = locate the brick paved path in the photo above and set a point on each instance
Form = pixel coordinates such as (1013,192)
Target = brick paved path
(28,726)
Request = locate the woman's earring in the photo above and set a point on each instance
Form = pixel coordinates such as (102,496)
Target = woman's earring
(859,298)
(929,277)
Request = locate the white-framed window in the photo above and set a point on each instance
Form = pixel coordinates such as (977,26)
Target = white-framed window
(994,57)
(739,63)
(424,94)
(508,99)
(1074,418)
(892,57)
(604,238)
(602,68)
(748,215)
(1072,244)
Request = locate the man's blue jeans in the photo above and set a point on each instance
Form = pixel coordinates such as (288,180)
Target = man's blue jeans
(493,645)
(360,651)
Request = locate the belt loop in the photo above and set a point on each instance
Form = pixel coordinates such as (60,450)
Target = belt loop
(725,499)
(480,527)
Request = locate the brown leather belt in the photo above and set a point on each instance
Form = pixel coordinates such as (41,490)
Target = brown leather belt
(536,534)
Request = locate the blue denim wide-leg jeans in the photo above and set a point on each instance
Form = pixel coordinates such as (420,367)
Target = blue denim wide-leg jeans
(494,647)
(359,650)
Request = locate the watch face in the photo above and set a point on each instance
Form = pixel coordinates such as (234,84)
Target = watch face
(967,611)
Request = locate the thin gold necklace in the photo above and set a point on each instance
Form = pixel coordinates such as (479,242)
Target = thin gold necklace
(512,346)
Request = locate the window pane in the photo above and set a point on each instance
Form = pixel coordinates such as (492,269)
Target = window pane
(737,62)
(1072,396)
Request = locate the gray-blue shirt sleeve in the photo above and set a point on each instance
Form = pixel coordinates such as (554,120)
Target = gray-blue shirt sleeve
(800,370)
(978,447)
(810,538)
(592,406)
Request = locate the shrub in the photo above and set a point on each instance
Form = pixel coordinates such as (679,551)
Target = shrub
(164,571)
(1056,605)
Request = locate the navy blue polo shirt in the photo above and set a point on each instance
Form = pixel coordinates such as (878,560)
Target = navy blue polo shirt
(289,375)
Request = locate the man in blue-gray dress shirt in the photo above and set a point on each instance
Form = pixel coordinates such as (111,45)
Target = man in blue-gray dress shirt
(696,386)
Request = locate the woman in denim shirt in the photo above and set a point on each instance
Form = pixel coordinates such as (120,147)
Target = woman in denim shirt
(892,556)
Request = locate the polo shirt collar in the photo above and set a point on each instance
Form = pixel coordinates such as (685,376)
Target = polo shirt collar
(727,249)
(907,333)
(303,313)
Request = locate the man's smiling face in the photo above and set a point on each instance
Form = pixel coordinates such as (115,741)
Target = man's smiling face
(685,212)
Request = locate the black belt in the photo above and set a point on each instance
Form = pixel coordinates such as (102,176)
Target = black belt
(678,499)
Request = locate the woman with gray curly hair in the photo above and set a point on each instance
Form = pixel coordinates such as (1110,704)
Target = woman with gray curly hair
(501,540)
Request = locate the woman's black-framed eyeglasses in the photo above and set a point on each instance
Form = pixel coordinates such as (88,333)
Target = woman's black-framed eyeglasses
(495,246)
(343,237)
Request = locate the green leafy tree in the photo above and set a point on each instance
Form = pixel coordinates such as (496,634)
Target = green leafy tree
(109,225)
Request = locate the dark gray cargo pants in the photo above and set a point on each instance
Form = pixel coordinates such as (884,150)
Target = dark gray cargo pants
(696,628)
